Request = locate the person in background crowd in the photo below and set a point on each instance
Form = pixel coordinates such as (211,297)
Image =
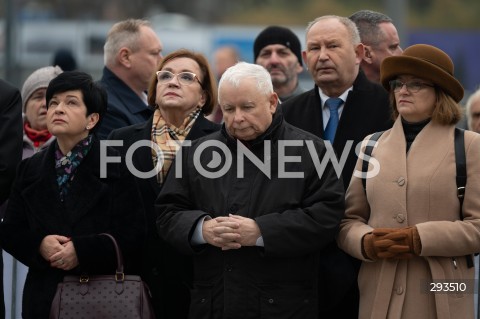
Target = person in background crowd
(380,40)
(223,58)
(10,136)
(65,59)
(473,111)
(36,135)
(59,203)
(255,238)
(408,225)
(10,152)
(279,51)
(182,93)
(343,107)
(132,52)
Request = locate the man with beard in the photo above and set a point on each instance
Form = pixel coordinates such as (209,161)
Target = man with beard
(278,50)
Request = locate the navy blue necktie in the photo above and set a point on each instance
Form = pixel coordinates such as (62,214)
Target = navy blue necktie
(333,104)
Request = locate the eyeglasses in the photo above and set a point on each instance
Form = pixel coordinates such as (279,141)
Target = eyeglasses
(184,78)
(413,87)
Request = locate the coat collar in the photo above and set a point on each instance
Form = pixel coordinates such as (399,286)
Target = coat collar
(123,92)
(426,152)
(42,194)
(142,158)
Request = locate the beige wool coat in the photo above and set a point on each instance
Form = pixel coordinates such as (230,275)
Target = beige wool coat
(419,189)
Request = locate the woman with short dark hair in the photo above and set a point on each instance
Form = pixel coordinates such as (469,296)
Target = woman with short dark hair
(62,199)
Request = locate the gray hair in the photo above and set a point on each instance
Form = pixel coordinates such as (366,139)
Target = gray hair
(244,70)
(468,107)
(123,34)
(367,22)
(349,25)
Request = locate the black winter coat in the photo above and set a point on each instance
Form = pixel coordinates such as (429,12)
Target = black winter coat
(92,206)
(296,217)
(366,111)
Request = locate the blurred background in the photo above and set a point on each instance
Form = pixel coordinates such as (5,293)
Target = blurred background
(31,31)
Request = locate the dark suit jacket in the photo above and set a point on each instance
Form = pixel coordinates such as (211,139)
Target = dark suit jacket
(365,111)
(124,108)
(92,206)
(167,273)
(11,133)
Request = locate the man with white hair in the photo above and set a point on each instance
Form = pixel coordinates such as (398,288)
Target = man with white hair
(132,52)
(254,230)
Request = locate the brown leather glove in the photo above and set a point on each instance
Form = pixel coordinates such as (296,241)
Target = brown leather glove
(404,240)
(396,243)
(372,250)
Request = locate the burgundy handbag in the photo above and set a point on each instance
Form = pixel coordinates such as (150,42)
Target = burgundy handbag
(106,296)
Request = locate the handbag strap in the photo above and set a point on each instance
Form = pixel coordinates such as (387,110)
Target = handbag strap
(119,274)
(367,154)
(461,164)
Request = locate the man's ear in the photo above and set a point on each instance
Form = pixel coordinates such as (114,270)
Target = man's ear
(124,56)
(368,54)
(273,102)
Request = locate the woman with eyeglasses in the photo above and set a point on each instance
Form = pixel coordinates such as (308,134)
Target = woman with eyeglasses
(182,92)
(408,225)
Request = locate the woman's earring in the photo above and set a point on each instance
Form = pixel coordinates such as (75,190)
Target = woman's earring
(88,127)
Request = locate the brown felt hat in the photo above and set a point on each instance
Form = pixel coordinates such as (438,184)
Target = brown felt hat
(426,62)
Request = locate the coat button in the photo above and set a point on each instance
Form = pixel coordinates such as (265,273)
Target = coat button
(400,218)
(203,300)
(270,300)
(401,181)
(399,290)
(228,268)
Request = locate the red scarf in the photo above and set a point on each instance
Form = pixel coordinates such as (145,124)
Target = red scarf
(37,137)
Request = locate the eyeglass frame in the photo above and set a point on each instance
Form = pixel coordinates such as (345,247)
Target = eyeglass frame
(408,85)
(175,75)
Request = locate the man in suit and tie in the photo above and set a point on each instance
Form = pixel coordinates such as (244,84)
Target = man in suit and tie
(343,106)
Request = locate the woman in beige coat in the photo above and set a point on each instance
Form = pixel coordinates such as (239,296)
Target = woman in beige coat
(406,226)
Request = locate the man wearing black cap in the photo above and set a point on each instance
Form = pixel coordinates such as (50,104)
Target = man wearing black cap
(278,50)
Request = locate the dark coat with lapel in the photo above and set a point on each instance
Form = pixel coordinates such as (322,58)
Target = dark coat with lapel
(296,217)
(124,108)
(92,206)
(11,133)
(365,111)
(167,273)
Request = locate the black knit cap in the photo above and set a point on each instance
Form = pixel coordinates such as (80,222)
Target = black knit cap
(277,35)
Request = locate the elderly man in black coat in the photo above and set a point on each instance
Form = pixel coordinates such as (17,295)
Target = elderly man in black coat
(333,55)
(254,204)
